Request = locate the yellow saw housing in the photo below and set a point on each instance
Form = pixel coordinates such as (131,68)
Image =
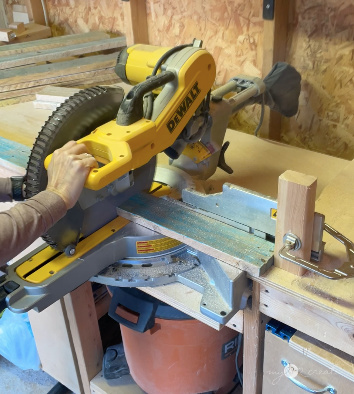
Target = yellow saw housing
(119,148)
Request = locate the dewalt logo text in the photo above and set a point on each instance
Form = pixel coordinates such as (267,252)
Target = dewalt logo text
(183,107)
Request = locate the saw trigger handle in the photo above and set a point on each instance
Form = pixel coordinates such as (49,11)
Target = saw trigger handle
(131,109)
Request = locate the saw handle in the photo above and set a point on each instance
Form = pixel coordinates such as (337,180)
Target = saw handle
(115,157)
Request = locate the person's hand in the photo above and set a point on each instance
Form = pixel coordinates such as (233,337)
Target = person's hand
(68,170)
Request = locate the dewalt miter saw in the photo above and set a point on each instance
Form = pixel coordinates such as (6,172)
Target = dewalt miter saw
(170,109)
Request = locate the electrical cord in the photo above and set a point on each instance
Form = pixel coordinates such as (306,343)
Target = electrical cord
(239,373)
(261,118)
(150,96)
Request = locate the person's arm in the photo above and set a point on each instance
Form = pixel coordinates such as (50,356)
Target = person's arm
(5,190)
(26,221)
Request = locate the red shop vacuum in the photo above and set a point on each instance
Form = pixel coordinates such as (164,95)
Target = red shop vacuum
(167,351)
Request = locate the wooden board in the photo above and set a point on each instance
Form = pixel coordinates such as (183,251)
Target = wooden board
(208,235)
(328,356)
(135,22)
(274,50)
(53,42)
(254,324)
(295,215)
(52,54)
(21,123)
(34,75)
(33,32)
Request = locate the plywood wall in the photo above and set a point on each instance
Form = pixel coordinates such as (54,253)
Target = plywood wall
(321,47)
(79,16)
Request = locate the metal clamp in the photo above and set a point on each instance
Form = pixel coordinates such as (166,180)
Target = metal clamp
(293,242)
(291,371)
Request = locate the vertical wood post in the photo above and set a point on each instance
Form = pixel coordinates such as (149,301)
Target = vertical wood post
(253,345)
(275,34)
(86,337)
(296,208)
(135,22)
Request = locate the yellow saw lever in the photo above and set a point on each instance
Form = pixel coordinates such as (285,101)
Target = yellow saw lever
(131,141)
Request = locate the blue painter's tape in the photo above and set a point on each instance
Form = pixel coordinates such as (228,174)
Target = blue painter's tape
(14,152)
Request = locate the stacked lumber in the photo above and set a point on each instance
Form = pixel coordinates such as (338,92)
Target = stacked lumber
(78,60)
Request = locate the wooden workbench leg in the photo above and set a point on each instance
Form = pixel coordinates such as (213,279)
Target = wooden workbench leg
(296,210)
(135,21)
(68,339)
(253,345)
(86,338)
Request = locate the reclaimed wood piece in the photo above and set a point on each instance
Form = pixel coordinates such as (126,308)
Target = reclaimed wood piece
(54,73)
(52,42)
(274,50)
(14,152)
(53,54)
(208,235)
(135,22)
(33,32)
(7,35)
(296,208)
(86,339)
(253,331)
(81,81)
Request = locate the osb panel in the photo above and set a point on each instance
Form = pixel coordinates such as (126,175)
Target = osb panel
(231,31)
(80,16)
(322,49)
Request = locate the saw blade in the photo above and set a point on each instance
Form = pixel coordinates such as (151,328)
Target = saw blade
(78,116)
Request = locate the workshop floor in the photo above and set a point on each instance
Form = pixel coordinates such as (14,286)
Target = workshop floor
(14,380)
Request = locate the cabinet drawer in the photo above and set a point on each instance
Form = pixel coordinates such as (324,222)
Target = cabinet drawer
(310,362)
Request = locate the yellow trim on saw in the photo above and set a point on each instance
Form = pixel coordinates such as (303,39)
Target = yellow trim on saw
(44,264)
(141,61)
